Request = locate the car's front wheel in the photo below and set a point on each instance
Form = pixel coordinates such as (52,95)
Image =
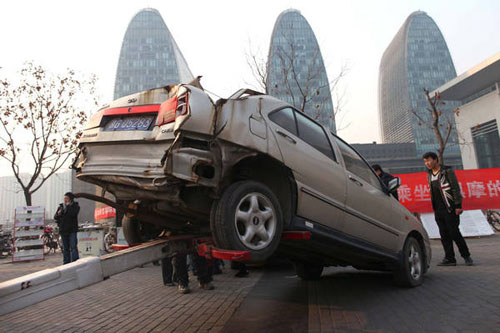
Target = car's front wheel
(411,270)
(248,217)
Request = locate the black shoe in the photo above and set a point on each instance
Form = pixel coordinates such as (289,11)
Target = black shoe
(205,286)
(183,289)
(469,261)
(447,262)
(217,271)
(169,284)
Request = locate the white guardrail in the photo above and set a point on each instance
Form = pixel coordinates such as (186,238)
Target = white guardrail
(21,292)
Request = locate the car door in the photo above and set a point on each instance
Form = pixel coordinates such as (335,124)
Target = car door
(320,179)
(370,215)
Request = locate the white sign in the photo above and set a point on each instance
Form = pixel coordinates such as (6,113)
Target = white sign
(121,237)
(91,243)
(472,223)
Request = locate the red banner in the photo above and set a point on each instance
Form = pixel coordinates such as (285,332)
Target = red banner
(480,190)
(104,212)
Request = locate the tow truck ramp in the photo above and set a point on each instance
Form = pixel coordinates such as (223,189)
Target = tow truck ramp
(30,289)
(26,290)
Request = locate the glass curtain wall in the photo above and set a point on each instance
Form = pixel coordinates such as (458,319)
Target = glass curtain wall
(149,56)
(296,72)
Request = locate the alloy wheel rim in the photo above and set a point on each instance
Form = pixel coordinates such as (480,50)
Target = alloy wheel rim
(415,263)
(255,221)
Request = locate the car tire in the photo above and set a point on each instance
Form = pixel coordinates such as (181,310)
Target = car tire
(132,230)
(308,271)
(411,270)
(247,217)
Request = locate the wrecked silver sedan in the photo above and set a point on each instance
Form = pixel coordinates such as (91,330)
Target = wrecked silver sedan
(244,169)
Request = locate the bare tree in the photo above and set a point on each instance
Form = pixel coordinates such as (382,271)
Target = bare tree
(258,66)
(42,117)
(442,130)
(305,92)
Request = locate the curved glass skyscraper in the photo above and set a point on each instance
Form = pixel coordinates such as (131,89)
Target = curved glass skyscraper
(149,57)
(296,72)
(417,58)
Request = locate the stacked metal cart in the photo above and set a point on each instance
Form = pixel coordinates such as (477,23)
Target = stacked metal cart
(27,241)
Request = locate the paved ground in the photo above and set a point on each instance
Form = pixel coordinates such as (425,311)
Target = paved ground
(134,301)
(452,299)
(8,270)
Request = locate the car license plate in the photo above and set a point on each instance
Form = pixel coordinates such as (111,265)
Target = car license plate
(129,124)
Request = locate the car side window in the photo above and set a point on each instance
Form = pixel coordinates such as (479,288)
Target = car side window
(285,118)
(314,135)
(355,164)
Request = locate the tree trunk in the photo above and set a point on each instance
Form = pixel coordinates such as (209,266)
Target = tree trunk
(441,156)
(27,196)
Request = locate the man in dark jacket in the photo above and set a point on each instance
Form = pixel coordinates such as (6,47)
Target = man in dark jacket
(385,178)
(67,219)
(447,205)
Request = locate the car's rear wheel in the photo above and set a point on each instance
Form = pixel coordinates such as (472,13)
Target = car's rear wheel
(411,270)
(248,217)
(308,271)
(136,231)
(132,230)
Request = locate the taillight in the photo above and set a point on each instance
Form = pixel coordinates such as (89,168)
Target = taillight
(167,111)
(172,108)
(182,105)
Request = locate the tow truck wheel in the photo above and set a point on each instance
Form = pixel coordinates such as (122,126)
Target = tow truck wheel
(248,217)
(132,230)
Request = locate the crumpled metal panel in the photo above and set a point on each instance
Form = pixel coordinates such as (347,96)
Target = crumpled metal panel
(184,162)
(242,123)
(201,115)
(130,159)
(150,169)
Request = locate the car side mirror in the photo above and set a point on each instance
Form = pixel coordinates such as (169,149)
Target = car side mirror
(394,184)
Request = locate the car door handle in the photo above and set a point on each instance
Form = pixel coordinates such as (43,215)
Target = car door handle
(286,136)
(357,182)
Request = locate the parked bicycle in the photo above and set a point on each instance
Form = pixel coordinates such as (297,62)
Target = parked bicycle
(493,218)
(51,240)
(5,243)
(110,239)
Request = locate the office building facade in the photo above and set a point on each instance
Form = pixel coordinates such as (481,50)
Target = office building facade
(149,57)
(478,119)
(416,59)
(296,73)
(394,158)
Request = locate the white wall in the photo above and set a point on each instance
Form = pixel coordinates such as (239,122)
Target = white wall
(479,111)
(49,195)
